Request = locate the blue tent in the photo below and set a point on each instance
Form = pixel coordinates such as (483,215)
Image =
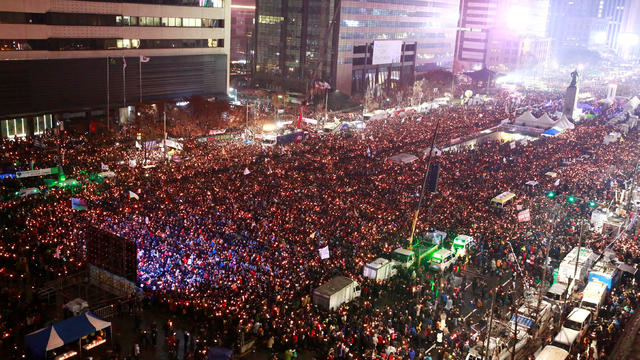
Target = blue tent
(62,333)
(551,132)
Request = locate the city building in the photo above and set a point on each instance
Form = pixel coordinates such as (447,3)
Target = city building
(477,17)
(65,58)
(336,41)
(242,24)
(509,51)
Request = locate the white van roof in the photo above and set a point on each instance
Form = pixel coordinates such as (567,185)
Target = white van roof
(578,315)
(403,251)
(551,352)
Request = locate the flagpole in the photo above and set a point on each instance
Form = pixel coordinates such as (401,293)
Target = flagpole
(108,92)
(140,73)
(124,83)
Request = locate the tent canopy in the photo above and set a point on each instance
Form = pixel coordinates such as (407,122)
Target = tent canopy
(564,124)
(63,332)
(545,120)
(632,104)
(403,158)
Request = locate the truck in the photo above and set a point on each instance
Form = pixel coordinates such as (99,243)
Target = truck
(500,348)
(567,268)
(421,252)
(533,317)
(461,244)
(380,269)
(335,292)
(593,296)
(605,271)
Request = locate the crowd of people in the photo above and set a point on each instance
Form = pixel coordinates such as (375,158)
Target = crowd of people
(230,233)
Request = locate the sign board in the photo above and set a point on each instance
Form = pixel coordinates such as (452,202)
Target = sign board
(39,172)
(524,215)
(387,52)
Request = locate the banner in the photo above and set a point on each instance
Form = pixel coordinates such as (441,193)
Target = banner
(324,252)
(78,204)
(524,215)
(39,172)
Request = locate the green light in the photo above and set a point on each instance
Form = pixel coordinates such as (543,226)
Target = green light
(571,199)
(551,194)
(592,204)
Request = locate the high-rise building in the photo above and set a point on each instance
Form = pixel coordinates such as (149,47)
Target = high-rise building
(477,17)
(62,56)
(242,25)
(336,41)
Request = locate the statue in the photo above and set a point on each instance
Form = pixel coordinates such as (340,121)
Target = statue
(574,78)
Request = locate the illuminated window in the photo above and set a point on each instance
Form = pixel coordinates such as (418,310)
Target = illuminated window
(265,19)
(42,123)
(13,127)
(135,43)
(172,21)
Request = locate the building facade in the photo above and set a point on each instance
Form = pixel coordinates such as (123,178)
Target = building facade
(84,56)
(477,17)
(508,51)
(297,40)
(242,25)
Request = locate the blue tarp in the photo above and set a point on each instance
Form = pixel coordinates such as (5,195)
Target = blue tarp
(219,354)
(63,332)
(551,132)
(526,322)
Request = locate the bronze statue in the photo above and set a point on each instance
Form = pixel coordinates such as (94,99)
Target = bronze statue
(574,78)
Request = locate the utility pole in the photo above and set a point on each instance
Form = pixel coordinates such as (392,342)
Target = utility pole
(488,341)
(515,317)
(164,142)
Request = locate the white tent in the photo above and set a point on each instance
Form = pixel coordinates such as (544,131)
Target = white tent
(403,158)
(526,119)
(632,104)
(436,151)
(564,124)
(546,120)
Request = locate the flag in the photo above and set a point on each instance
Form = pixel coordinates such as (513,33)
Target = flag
(313,235)
(132,163)
(512,145)
(556,183)
(300,117)
(324,252)
(246,171)
(78,204)
(133,195)
(124,63)
(138,145)
(104,167)
(321,85)
(524,215)
(144,58)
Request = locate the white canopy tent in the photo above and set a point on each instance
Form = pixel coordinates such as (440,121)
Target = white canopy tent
(526,119)
(403,158)
(632,104)
(564,124)
(546,120)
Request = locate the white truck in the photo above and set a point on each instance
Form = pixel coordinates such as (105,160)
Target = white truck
(567,268)
(335,292)
(593,296)
(379,269)
(532,316)
(403,257)
(500,348)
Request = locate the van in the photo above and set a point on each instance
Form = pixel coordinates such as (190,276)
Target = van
(574,327)
(551,352)
(461,244)
(593,296)
(403,257)
(556,294)
(442,260)
(503,199)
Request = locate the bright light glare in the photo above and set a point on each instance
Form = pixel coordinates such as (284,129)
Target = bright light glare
(628,40)
(600,38)
(580,67)
(268,127)
(518,18)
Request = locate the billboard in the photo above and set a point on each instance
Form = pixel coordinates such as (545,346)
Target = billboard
(386,52)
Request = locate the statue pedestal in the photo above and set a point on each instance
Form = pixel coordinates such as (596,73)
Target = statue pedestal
(570,109)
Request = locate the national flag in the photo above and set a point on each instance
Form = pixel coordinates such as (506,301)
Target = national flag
(124,63)
(104,167)
(133,195)
(321,85)
(246,171)
(324,252)
(78,204)
(556,183)
(524,215)
(144,58)
(299,123)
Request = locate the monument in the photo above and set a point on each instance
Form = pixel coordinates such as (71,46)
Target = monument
(570,109)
